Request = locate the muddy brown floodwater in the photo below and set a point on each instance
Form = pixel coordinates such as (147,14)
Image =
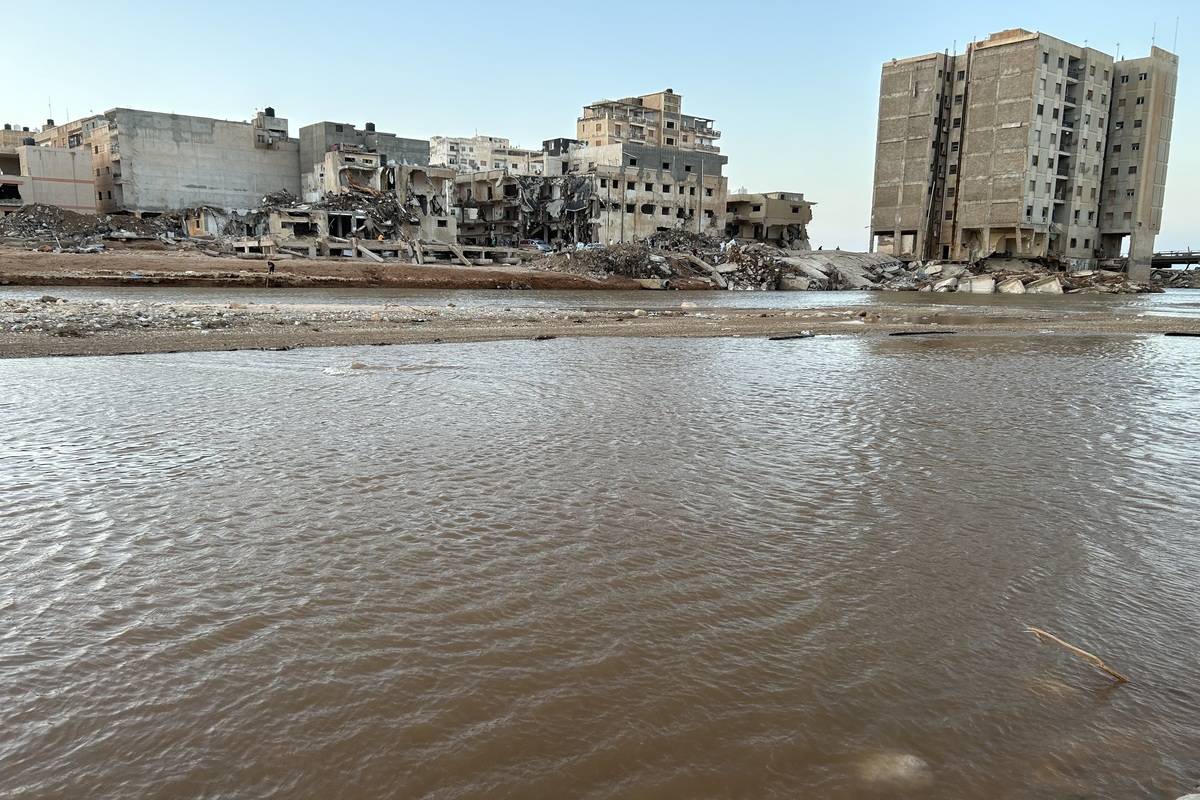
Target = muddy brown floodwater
(603,568)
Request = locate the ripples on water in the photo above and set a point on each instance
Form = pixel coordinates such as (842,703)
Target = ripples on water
(601,568)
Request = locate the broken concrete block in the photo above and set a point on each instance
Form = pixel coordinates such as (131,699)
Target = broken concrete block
(1010,286)
(946,285)
(952,270)
(931,270)
(1050,285)
(794,283)
(977,284)
(854,276)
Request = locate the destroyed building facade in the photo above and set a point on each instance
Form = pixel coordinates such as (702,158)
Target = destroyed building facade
(320,138)
(1009,149)
(776,218)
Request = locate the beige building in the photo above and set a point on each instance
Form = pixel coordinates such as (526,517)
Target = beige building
(47,175)
(777,218)
(649,120)
(652,168)
(14,136)
(1004,149)
(71,134)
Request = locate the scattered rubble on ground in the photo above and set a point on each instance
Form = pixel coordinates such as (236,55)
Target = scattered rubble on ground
(54,229)
(675,255)
(672,258)
(1018,276)
(1177,278)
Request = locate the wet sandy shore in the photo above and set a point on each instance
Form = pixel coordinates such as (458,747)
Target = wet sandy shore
(54,327)
(191,268)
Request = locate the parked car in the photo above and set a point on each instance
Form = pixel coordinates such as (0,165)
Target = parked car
(538,244)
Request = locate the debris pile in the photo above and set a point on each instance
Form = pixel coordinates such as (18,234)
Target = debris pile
(677,254)
(630,260)
(1176,278)
(74,232)
(382,209)
(1012,276)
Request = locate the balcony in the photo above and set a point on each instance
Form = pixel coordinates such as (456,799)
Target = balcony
(1071,100)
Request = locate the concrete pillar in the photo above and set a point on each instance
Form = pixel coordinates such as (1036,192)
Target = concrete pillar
(1141,253)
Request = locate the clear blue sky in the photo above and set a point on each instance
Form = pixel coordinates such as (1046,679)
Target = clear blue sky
(792,85)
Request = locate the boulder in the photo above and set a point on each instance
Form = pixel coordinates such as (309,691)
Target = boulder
(1049,285)
(854,276)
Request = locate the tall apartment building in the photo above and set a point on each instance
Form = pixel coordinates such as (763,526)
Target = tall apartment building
(1007,148)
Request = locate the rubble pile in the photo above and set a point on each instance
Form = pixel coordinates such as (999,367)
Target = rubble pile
(84,232)
(677,240)
(1012,276)
(630,260)
(281,199)
(381,208)
(34,221)
(752,266)
(1176,278)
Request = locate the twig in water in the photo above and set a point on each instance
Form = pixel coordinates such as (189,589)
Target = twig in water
(1092,657)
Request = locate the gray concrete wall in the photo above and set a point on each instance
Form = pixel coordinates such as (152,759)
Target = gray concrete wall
(172,161)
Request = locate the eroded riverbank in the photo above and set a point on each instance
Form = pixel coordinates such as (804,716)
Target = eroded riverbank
(53,326)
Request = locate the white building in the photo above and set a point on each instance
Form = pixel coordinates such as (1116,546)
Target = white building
(482,153)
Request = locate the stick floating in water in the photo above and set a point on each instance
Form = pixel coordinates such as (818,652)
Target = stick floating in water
(1084,654)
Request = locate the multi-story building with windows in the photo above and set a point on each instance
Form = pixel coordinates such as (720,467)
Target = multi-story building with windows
(651,120)
(483,153)
(1005,150)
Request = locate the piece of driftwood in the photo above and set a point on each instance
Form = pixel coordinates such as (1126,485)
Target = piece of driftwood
(1084,654)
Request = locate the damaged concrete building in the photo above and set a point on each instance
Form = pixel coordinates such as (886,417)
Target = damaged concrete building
(320,138)
(652,167)
(776,218)
(1026,145)
(501,208)
(640,166)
